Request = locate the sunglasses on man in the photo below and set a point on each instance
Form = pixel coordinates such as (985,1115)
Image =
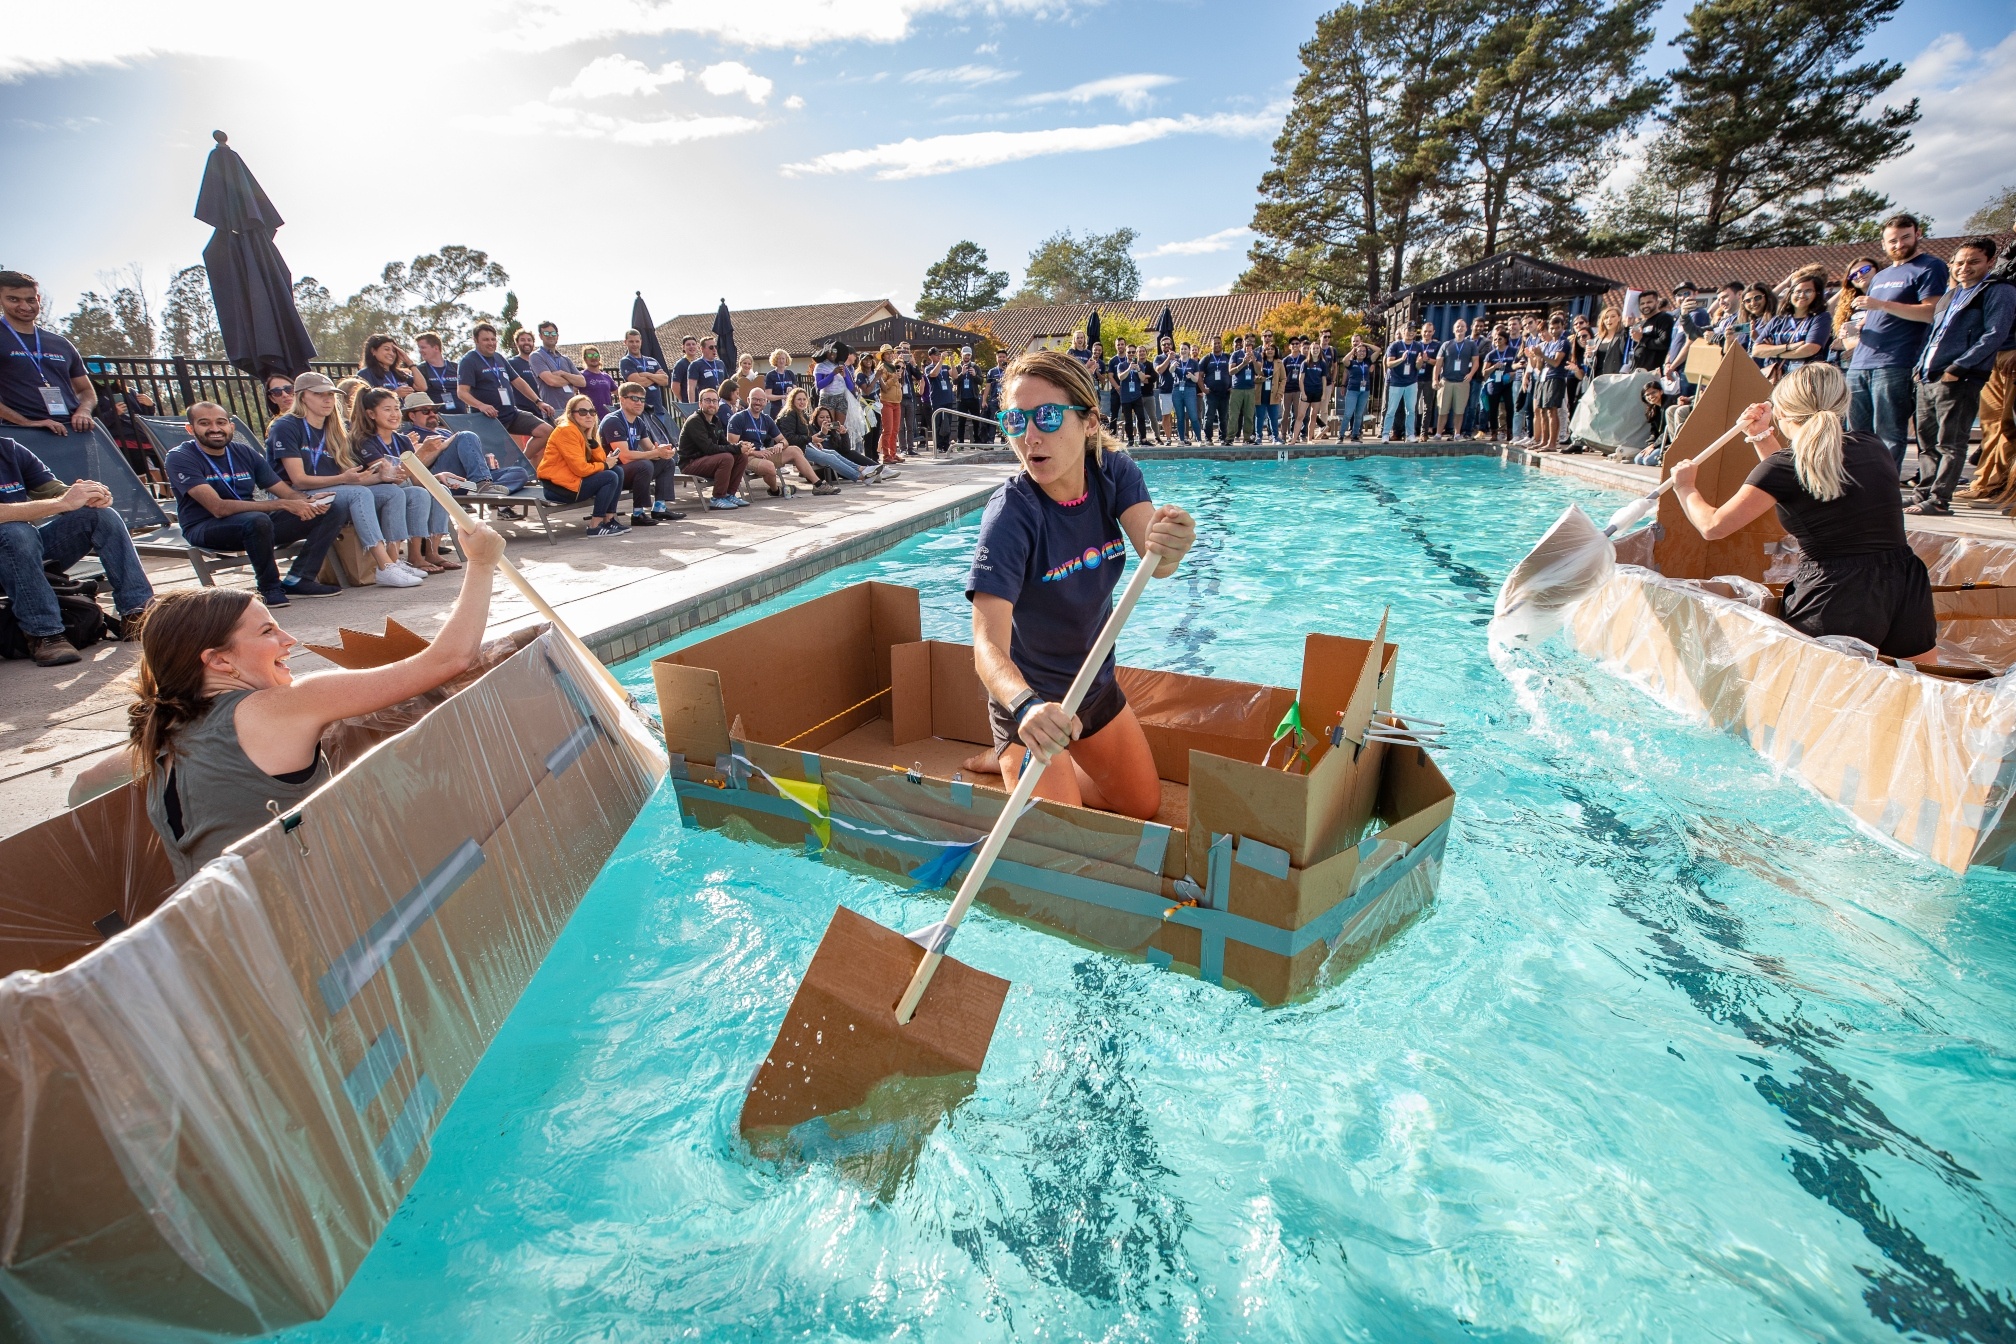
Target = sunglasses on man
(1049,417)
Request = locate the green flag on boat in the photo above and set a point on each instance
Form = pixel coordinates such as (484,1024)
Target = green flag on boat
(1291,722)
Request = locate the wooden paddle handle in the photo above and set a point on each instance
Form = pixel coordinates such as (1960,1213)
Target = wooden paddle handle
(1701,456)
(1025,787)
(419,472)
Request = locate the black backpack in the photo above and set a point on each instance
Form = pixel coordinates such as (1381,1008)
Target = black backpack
(84,622)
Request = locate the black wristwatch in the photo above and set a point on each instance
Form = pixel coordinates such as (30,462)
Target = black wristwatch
(1021,707)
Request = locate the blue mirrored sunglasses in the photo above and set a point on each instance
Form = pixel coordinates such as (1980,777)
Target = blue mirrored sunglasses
(1049,417)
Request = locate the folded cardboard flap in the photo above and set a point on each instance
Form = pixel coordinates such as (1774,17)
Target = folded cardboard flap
(1678,549)
(60,877)
(358,650)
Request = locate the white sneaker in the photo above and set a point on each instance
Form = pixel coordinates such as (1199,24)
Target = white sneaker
(395,576)
(410,568)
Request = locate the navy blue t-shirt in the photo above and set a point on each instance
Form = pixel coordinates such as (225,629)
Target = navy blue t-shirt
(1357,375)
(1127,374)
(994,376)
(1314,371)
(441,384)
(1181,370)
(488,378)
(20,471)
(762,429)
(940,378)
(1217,372)
(239,473)
(1550,351)
(968,382)
(1242,377)
(1408,371)
(370,448)
(1059,567)
(1457,357)
(30,363)
(291,436)
(619,432)
(1498,362)
(704,373)
(1890,341)
(779,383)
(654,395)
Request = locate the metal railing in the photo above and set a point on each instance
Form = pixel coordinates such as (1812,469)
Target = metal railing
(172,384)
(993,440)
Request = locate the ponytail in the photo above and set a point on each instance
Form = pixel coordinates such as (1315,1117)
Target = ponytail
(179,628)
(1811,400)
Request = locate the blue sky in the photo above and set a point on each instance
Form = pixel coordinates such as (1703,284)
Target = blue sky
(783,152)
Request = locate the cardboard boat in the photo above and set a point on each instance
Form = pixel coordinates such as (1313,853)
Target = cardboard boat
(835,727)
(213,1097)
(1926,760)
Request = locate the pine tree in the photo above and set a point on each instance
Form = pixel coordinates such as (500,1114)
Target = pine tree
(1769,117)
(117,322)
(189,317)
(960,283)
(1556,85)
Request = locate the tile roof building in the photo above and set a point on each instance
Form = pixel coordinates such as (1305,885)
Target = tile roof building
(1764,265)
(1048,326)
(798,328)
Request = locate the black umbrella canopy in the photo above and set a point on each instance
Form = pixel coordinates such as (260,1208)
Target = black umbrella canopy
(249,281)
(724,336)
(1165,325)
(640,318)
(1092,328)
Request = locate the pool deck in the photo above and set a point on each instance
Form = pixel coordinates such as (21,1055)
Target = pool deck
(627,594)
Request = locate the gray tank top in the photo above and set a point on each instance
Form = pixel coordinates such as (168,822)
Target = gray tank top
(219,796)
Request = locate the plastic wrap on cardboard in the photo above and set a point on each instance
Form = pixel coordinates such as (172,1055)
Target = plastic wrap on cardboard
(1923,760)
(1569,561)
(206,1121)
(1612,413)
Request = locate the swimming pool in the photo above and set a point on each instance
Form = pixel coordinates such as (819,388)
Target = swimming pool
(1677,1053)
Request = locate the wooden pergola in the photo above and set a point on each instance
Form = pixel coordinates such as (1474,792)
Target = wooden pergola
(1503,285)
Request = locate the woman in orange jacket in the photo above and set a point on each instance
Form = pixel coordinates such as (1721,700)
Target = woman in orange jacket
(575,466)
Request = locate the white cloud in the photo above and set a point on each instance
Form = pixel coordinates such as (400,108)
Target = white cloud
(545,118)
(732,77)
(1130,91)
(987,49)
(972,75)
(980,149)
(1221,241)
(792,24)
(1964,149)
(794,102)
(619,76)
(1165,283)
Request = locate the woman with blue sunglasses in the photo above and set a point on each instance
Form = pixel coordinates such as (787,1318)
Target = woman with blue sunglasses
(1053,543)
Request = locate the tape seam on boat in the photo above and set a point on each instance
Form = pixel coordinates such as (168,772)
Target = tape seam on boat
(414,1120)
(1154,847)
(364,958)
(569,751)
(363,1083)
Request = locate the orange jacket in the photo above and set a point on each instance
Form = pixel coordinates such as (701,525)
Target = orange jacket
(569,458)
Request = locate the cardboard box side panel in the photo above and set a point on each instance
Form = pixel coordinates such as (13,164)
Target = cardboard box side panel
(894,617)
(785,673)
(1238,798)
(958,699)
(909,702)
(1680,551)
(299,1021)
(58,876)
(691,708)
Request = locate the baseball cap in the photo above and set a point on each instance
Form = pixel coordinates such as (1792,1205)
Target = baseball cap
(312,382)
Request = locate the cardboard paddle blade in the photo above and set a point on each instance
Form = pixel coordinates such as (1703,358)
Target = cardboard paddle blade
(840,1040)
(1572,561)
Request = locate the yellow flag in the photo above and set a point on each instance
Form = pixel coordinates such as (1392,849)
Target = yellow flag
(811,797)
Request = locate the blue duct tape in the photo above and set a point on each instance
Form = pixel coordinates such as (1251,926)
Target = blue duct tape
(1157,958)
(962,793)
(570,750)
(808,761)
(415,1119)
(1211,957)
(1927,834)
(380,1062)
(364,958)
(570,690)
(1851,781)
(729,766)
(1218,873)
(678,764)
(1154,847)
(1262,857)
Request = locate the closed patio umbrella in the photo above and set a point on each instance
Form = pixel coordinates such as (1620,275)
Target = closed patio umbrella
(1165,325)
(724,337)
(640,318)
(249,282)
(1092,329)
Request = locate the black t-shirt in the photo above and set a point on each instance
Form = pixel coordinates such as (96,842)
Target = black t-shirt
(1059,566)
(1653,345)
(1866,520)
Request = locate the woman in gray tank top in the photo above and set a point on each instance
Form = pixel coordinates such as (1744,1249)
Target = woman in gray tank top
(223,731)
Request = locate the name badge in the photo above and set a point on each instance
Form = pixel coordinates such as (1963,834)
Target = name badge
(52,397)
(503,397)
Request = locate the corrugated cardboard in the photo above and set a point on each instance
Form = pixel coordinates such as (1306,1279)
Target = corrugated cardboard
(1679,551)
(1249,875)
(208,1118)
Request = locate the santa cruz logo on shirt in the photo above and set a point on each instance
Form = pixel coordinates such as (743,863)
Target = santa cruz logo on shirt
(1094,557)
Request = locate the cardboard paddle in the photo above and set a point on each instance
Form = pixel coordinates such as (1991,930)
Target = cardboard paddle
(1570,562)
(655,760)
(875,1007)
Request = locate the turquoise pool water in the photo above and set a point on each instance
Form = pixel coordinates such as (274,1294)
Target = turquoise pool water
(1676,1054)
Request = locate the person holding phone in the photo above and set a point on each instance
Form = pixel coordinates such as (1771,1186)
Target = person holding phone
(217,483)
(309,449)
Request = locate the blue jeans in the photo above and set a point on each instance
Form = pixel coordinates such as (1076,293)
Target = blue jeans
(63,541)
(605,487)
(1400,402)
(1264,416)
(465,457)
(1187,419)
(833,462)
(1881,402)
(1353,423)
(356,503)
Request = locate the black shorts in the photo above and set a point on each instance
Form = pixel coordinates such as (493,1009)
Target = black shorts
(1103,704)
(1884,599)
(519,422)
(1552,391)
